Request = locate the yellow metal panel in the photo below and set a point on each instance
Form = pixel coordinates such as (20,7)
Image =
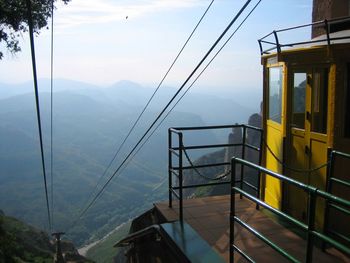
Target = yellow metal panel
(296,199)
(273,187)
(318,145)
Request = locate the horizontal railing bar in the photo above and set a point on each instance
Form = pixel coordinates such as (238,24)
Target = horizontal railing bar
(297,27)
(253,127)
(250,185)
(331,241)
(309,42)
(211,127)
(175,131)
(274,174)
(201,185)
(202,166)
(303,43)
(266,240)
(268,42)
(340,208)
(207,127)
(174,172)
(173,151)
(194,147)
(269,34)
(272,209)
(333,198)
(339,235)
(252,147)
(294,182)
(336,180)
(341,154)
(174,192)
(317,24)
(242,253)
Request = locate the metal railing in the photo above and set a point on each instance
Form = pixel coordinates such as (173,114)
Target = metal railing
(309,227)
(331,181)
(180,152)
(277,45)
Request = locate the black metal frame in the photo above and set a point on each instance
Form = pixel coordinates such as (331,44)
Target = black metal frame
(178,151)
(278,46)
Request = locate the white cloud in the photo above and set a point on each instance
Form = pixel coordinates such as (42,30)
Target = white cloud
(80,12)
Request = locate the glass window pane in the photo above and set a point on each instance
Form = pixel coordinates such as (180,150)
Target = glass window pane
(299,91)
(275,94)
(319,101)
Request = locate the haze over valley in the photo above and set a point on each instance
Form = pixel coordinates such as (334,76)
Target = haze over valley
(89,124)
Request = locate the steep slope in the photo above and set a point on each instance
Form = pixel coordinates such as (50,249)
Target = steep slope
(20,242)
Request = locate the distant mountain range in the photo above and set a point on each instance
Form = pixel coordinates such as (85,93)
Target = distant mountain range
(212,108)
(89,124)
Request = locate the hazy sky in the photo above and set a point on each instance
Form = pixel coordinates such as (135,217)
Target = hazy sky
(94,42)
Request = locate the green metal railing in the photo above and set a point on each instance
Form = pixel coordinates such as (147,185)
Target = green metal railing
(331,182)
(180,152)
(308,228)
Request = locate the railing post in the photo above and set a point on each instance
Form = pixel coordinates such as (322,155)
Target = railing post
(277,42)
(330,169)
(170,167)
(258,194)
(243,157)
(311,223)
(261,48)
(232,209)
(180,175)
(327,31)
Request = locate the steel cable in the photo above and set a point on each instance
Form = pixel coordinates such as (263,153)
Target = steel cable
(149,101)
(32,48)
(164,109)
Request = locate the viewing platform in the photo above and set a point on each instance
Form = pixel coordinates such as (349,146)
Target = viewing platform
(238,225)
(210,218)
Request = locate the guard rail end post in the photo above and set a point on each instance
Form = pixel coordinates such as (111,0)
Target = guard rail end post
(244,135)
(258,194)
(170,166)
(311,224)
(181,175)
(232,208)
(330,160)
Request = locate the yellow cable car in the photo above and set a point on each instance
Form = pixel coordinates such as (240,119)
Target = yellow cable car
(306,113)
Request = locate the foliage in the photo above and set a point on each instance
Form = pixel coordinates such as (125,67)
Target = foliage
(14,20)
(19,242)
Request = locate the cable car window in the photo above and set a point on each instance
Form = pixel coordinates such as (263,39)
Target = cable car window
(347,105)
(319,97)
(275,94)
(299,93)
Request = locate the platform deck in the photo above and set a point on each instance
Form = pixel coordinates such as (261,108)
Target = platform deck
(209,216)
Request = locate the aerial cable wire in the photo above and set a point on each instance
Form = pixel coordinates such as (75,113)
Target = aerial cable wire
(189,87)
(31,35)
(195,80)
(205,68)
(51,111)
(164,109)
(150,100)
